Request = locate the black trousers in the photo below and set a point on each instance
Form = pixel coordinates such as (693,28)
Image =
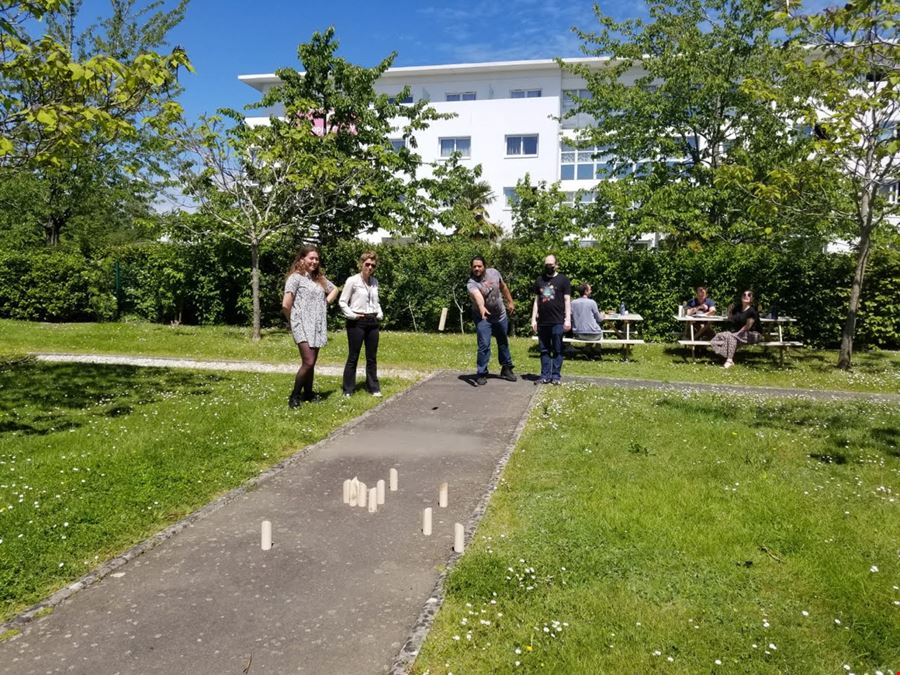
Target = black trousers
(359,332)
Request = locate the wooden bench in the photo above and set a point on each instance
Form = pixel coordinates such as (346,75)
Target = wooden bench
(781,345)
(602,342)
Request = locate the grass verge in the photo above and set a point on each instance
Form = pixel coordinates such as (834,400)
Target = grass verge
(93,459)
(874,371)
(684,533)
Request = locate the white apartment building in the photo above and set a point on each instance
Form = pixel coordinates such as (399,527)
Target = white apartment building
(507,118)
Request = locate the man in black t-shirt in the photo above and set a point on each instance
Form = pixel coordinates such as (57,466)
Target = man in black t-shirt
(551,316)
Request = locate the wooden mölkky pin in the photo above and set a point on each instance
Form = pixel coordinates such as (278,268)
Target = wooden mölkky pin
(379,487)
(266,535)
(426,522)
(442,495)
(394,480)
(459,538)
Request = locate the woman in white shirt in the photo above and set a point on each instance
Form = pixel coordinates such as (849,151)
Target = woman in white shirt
(359,303)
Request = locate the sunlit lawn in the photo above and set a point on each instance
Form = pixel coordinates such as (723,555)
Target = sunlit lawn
(877,371)
(684,533)
(95,458)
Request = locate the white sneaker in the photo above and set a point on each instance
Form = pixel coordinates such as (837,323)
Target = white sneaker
(376,394)
(729,363)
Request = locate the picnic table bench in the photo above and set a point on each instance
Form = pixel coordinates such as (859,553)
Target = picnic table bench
(773,332)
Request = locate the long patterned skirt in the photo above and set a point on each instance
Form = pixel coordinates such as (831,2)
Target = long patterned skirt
(726,343)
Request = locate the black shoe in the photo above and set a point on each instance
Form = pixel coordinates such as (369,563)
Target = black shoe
(480,380)
(294,401)
(506,373)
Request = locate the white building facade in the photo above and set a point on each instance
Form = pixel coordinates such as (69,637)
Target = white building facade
(507,119)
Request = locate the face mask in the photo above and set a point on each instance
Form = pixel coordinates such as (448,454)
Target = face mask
(549,269)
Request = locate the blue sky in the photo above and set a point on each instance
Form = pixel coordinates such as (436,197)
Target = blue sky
(226,38)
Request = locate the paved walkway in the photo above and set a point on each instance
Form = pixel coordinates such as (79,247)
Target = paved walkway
(342,589)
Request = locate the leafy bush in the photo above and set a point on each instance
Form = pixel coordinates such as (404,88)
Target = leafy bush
(208,282)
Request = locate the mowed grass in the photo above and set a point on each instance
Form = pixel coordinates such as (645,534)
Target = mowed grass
(873,371)
(94,459)
(642,531)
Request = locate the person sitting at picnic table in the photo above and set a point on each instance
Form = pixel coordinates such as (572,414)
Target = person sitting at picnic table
(701,305)
(749,329)
(586,316)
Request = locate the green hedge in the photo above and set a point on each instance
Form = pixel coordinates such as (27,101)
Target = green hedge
(209,283)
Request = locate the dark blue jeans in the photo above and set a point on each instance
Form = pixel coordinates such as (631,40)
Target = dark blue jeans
(550,340)
(484,328)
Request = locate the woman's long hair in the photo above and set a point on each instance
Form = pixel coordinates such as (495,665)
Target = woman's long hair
(297,266)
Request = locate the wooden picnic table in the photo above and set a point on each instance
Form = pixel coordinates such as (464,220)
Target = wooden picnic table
(773,331)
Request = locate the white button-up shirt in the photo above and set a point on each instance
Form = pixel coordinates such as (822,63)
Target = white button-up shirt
(359,297)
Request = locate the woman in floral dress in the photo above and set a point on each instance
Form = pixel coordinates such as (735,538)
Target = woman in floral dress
(307,294)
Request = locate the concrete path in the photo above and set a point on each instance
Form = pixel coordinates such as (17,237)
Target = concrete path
(342,589)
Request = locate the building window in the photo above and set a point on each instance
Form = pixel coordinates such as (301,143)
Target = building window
(522,146)
(462,145)
(510,197)
(461,96)
(589,163)
(575,198)
(397,144)
(567,104)
(525,93)
(397,99)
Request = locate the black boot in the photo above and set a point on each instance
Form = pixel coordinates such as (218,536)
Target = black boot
(506,373)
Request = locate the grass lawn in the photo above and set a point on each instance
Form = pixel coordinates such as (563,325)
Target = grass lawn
(684,533)
(874,371)
(94,459)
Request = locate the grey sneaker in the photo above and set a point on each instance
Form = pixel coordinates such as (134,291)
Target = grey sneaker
(506,373)
(480,380)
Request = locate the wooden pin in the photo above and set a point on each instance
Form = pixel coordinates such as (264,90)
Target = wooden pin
(459,538)
(394,480)
(379,486)
(373,500)
(347,491)
(442,496)
(361,495)
(266,535)
(426,522)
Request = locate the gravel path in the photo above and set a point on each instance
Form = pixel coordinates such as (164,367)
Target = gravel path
(290,368)
(196,364)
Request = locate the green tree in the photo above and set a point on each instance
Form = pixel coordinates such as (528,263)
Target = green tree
(88,114)
(459,199)
(854,65)
(542,214)
(670,113)
(322,170)
(365,184)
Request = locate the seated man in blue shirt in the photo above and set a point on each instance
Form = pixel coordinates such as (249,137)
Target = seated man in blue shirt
(702,305)
(586,317)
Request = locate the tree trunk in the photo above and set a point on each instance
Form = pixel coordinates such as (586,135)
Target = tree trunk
(254,288)
(52,228)
(849,329)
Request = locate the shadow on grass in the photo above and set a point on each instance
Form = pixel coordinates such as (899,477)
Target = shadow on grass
(43,398)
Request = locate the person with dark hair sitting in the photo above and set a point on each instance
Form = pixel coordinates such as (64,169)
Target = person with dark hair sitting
(586,316)
(749,329)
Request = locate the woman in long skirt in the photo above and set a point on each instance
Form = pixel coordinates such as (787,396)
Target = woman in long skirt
(725,344)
